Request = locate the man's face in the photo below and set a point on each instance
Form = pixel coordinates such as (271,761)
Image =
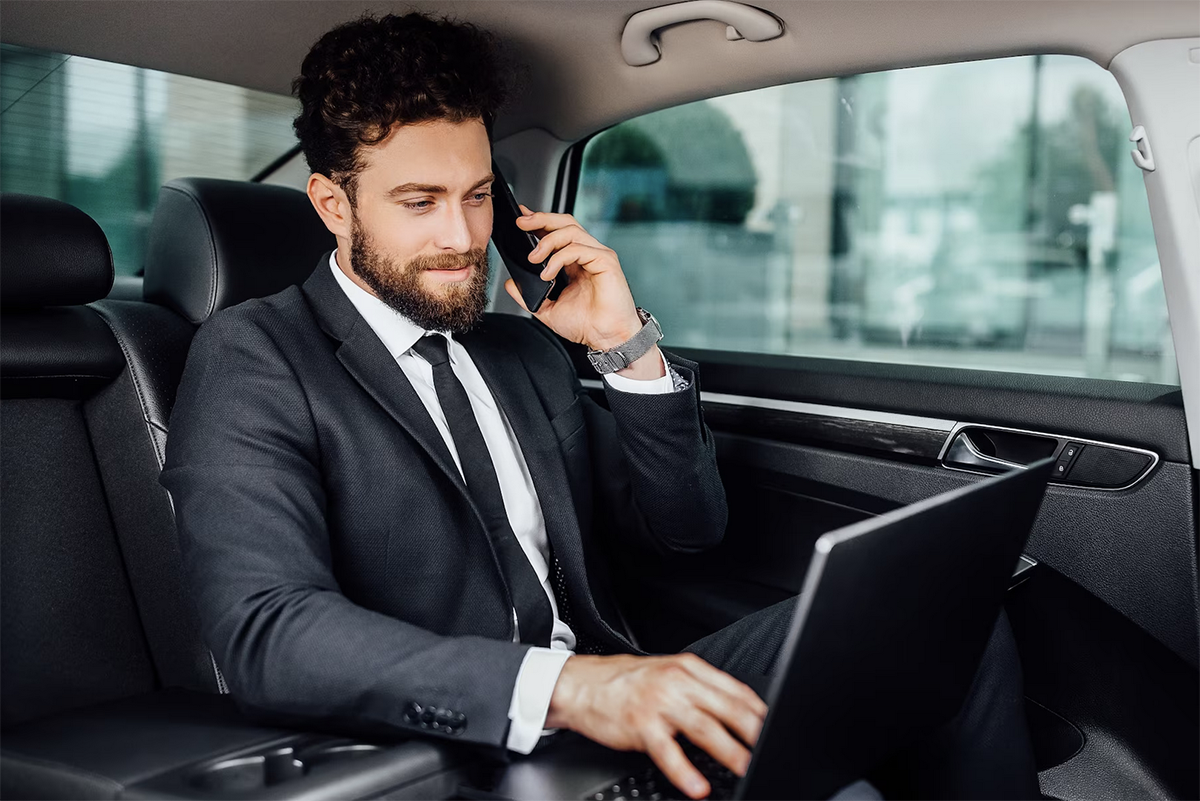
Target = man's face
(422,220)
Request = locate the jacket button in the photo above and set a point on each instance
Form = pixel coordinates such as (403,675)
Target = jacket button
(428,715)
(412,712)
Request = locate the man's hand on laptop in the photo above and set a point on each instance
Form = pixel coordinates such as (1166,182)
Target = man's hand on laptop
(639,703)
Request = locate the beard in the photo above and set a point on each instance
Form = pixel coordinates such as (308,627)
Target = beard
(452,307)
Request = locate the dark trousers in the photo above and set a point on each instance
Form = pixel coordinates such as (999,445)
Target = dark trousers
(984,752)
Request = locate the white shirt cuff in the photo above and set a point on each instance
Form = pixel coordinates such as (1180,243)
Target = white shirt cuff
(531,696)
(644,386)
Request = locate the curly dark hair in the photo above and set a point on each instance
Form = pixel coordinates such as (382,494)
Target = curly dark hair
(366,76)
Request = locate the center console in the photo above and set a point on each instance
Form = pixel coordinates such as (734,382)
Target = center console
(176,744)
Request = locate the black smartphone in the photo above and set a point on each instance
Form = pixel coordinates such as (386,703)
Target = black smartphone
(515,245)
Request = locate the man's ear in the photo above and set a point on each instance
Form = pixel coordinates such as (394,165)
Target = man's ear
(332,203)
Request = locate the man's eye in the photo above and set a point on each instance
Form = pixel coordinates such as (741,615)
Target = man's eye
(418,205)
(479,197)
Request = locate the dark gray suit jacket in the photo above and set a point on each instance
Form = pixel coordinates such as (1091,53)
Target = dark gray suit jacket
(341,573)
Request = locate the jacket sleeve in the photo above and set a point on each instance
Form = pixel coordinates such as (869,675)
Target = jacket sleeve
(654,462)
(243,472)
(675,499)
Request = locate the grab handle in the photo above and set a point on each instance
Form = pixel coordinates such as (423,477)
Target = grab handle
(638,41)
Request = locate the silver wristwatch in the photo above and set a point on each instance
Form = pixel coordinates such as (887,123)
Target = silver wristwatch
(629,351)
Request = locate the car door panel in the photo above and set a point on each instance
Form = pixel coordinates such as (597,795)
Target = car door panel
(1130,700)
(1134,549)
(1124,413)
(1106,621)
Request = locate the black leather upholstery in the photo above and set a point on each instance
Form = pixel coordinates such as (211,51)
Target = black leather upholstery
(213,244)
(55,259)
(217,243)
(59,352)
(71,629)
(96,751)
(72,634)
(53,254)
(92,599)
(183,745)
(93,607)
(154,342)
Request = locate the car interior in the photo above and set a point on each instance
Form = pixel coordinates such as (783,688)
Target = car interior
(910,245)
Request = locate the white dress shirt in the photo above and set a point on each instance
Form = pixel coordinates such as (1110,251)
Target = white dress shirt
(539,670)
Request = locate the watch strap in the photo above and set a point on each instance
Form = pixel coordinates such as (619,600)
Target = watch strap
(629,351)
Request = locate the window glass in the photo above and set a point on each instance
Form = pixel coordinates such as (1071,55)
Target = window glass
(104,137)
(983,215)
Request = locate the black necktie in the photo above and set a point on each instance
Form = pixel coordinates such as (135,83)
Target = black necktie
(535,618)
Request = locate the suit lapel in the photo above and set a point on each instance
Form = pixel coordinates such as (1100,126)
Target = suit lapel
(370,363)
(367,359)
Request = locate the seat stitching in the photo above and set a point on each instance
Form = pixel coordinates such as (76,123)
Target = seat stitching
(159,453)
(137,383)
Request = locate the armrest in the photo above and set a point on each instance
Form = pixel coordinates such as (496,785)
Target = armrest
(183,744)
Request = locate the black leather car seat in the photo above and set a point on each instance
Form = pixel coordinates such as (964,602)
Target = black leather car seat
(213,244)
(95,617)
(89,608)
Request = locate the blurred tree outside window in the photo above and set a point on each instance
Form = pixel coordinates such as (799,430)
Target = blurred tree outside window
(984,214)
(104,137)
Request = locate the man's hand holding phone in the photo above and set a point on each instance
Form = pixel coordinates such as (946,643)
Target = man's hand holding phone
(596,307)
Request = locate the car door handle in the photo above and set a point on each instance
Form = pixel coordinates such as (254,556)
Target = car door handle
(964,453)
(993,450)
(988,449)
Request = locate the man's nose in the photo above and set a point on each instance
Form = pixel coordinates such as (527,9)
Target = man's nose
(454,233)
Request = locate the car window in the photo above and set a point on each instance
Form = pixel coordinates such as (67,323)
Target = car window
(984,215)
(104,137)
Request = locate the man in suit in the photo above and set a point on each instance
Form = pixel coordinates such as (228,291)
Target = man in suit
(391,506)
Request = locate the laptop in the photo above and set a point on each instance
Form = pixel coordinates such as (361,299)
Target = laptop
(891,623)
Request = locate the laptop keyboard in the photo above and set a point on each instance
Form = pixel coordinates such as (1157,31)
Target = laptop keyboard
(652,785)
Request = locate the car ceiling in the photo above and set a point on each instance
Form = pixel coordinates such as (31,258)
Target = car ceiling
(571,78)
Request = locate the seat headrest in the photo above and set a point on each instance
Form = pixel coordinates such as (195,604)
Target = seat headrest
(215,244)
(53,254)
